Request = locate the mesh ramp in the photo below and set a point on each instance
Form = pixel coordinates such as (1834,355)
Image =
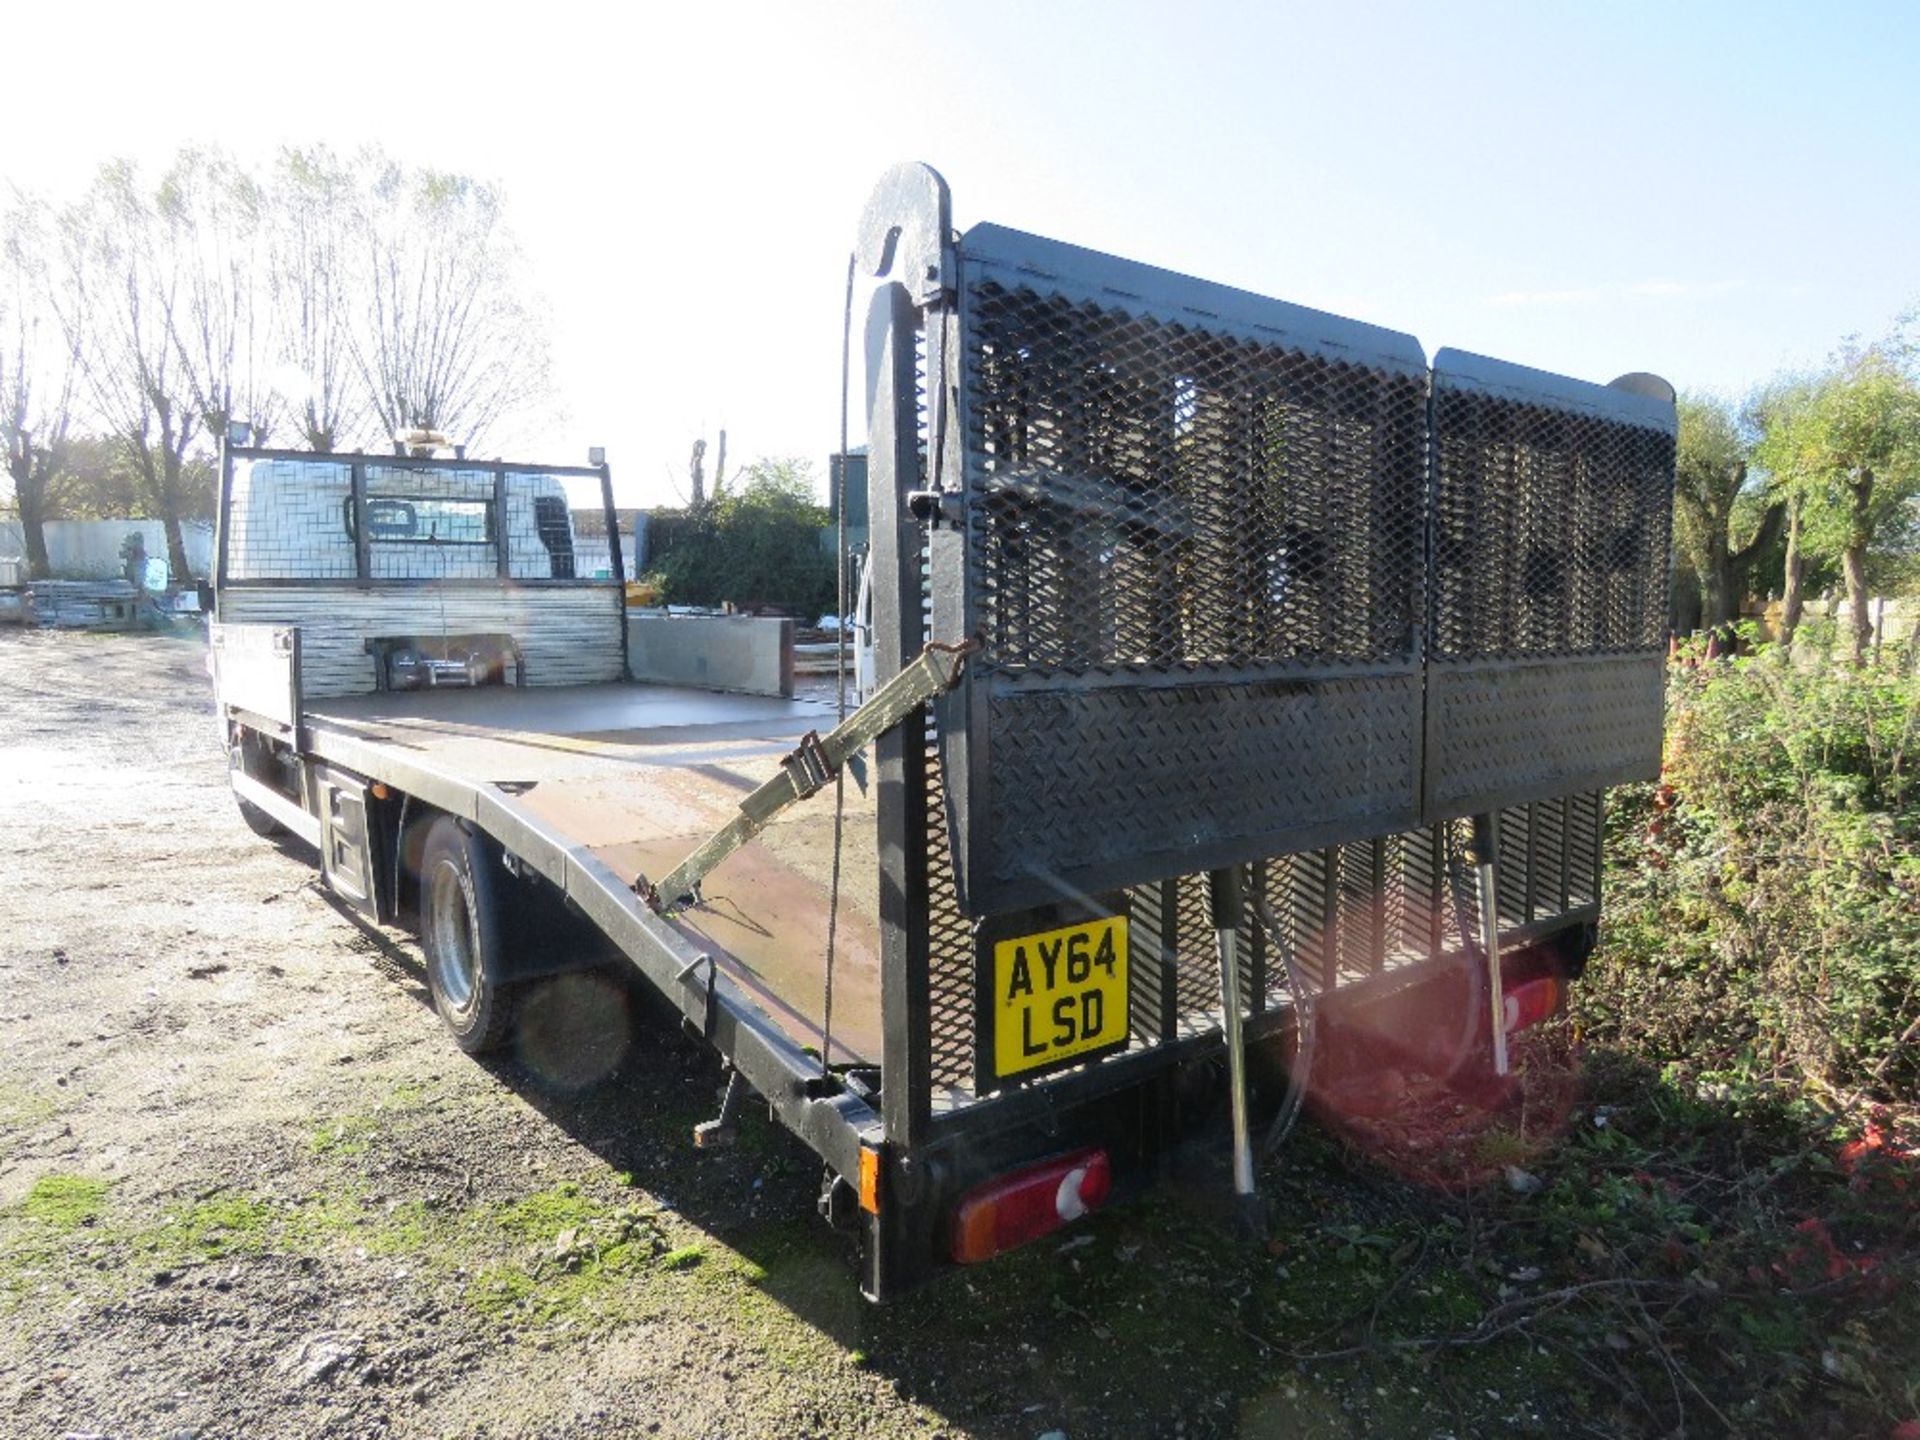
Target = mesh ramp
(1194,555)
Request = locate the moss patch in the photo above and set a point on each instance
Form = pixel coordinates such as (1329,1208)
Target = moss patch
(684,1258)
(348,1135)
(355,1134)
(547,1213)
(65,1202)
(580,1259)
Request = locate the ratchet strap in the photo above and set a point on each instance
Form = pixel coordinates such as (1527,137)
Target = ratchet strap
(811,766)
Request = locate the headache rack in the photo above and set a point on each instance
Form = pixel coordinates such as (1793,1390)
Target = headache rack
(1254,586)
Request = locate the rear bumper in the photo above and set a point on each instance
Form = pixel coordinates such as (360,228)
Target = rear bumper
(1159,1110)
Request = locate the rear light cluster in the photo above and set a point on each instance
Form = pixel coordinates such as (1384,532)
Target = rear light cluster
(1038,1199)
(1531,1002)
(1029,1203)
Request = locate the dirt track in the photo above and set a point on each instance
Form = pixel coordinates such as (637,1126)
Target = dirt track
(249,1188)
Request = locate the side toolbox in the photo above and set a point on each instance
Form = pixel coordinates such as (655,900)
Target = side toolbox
(348,844)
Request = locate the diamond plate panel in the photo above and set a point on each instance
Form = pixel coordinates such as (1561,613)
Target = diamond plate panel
(1087,787)
(1506,734)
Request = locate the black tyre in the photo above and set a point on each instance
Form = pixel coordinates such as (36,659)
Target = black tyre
(463,934)
(257,820)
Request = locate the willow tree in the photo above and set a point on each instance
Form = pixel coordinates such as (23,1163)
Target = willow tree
(211,218)
(1712,471)
(121,283)
(312,254)
(39,371)
(446,334)
(1849,449)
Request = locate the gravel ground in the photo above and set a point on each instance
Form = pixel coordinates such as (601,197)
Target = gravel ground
(249,1188)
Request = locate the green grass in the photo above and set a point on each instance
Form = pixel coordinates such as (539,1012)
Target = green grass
(340,1136)
(684,1258)
(65,1202)
(348,1135)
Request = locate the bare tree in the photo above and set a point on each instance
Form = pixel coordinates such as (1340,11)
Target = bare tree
(39,369)
(210,214)
(310,280)
(119,285)
(446,337)
(697,474)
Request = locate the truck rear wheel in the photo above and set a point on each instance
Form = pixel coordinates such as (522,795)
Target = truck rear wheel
(462,933)
(257,820)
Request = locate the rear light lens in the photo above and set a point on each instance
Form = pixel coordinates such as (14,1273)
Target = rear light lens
(1531,1002)
(1029,1203)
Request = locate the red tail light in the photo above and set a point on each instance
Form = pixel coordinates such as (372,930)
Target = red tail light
(1531,1002)
(1029,1203)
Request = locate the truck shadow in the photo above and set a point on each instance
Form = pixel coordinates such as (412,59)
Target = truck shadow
(1159,1317)
(1137,1322)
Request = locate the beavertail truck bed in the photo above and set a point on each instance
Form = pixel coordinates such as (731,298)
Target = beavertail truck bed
(1298,665)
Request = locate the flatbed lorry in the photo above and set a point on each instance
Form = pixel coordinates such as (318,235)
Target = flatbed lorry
(1264,672)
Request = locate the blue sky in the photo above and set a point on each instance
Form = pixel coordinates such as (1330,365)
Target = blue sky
(1709,191)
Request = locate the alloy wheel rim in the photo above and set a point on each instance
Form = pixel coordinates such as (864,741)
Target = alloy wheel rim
(456,956)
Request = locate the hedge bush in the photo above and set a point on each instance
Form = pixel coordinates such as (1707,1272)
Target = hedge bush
(758,549)
(1763,901)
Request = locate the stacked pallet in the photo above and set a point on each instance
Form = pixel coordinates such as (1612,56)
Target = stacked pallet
(85,604)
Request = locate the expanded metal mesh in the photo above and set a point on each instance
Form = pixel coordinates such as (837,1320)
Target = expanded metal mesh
(294,519)
(1153,932)
(1550,521)
(1237,580)
(1153,494)
(1348,913)
(1550,530)
(950,943)
(1195,559)
(1196,961)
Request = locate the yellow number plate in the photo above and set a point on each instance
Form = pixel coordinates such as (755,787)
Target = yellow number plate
(1059,994)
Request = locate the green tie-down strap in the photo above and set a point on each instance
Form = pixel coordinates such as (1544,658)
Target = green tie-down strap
(814,762)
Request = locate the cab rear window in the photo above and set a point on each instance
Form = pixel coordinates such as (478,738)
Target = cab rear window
(425,521)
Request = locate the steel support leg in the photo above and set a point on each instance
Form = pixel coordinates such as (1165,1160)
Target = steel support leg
(711,1134)
(1228,904)
(1486,855)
